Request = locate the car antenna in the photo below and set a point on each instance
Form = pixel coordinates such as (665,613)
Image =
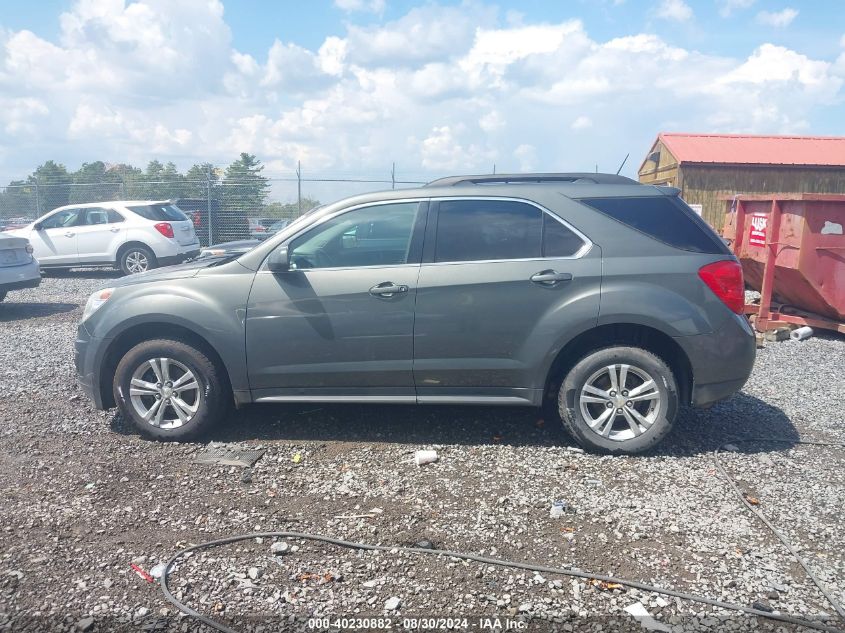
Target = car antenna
(623,163)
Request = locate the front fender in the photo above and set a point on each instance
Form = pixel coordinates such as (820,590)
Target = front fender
(211,307)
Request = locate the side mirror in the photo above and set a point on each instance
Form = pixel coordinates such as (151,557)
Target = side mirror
(38,226)
(279,260)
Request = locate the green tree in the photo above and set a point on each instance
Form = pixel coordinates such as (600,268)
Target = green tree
(289,210)
(97,182)
(18,200)
(53,181)
(244,187)
(197,180)
(172,185)
(158,182)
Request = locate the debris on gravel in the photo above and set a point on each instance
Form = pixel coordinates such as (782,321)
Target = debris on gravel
(83,499)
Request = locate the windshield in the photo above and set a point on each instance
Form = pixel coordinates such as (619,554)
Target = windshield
(307,215)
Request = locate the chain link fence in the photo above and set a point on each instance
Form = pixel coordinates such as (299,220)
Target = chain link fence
(222,210)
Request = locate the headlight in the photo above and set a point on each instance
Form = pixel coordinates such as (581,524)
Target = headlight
(95,301)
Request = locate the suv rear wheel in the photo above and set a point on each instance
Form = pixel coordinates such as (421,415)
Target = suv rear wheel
(619,400)
(170,390)
(136,259)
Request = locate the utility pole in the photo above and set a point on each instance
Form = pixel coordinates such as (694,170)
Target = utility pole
(37,200)
(299,186)
(208,205)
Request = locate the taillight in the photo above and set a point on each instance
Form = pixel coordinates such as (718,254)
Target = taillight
(165,228)
(724,278)
(28,248)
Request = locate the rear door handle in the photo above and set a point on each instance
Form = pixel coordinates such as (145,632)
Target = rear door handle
(115,230)
(387,289)
(550,277)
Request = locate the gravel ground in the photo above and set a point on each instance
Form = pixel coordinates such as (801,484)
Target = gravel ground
(83,498)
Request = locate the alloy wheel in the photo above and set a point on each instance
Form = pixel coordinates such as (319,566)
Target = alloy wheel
(137,262)
(165,393)
(620,402)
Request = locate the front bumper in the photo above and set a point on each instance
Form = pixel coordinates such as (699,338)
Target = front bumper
(84,361)
(721,361)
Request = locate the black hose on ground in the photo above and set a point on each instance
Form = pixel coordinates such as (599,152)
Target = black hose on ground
(565,571)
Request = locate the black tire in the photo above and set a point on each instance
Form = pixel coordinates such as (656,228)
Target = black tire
(212,390)
(661,410)
(128,257)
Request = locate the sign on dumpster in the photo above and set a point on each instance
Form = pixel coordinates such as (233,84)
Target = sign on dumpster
(757,232)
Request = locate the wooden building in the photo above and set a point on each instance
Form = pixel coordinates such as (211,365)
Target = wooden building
(707,167)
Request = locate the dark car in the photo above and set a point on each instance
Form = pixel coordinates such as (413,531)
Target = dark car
(610,302)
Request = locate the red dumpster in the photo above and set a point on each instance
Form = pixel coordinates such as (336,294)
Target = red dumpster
(792,250)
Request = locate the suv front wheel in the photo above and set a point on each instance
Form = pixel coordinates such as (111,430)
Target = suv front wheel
(170,390)
(618,400)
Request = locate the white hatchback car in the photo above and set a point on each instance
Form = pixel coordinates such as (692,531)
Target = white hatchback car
(133,235)
(18,268)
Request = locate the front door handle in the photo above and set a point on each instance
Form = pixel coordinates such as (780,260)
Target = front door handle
(387,289)
(550,277)
(69,234)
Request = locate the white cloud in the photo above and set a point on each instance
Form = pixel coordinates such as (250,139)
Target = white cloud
(331,55)
(582,123)
(294,69)
(425,34)
(440,89)
(21,116)
(779,19)
(727,7)
(444,151)
(527,156)
(676,10)
(491,122)
(373,6)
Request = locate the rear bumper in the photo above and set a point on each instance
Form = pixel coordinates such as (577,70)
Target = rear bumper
(178,259)
(20,285)
(20,277)
(721,361)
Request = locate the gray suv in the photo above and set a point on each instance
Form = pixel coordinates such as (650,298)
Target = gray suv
(608,302)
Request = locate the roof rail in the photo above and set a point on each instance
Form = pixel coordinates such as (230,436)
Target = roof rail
(495,179)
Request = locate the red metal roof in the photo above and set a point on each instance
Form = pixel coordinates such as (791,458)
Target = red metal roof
(735,149)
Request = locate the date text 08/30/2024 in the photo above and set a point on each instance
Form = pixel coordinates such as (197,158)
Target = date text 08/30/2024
(421,624)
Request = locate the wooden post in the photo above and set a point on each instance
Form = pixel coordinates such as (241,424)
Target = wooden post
(772,244)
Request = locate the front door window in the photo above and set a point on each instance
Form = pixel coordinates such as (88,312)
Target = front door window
(379,235)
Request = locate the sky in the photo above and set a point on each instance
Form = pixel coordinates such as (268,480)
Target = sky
(349,87)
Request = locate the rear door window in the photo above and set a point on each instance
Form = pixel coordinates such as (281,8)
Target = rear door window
(480,230)
(159,212)
(96,216)
(558,239)
(664,218)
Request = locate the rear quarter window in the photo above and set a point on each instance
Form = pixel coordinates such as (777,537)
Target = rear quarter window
(664,218)
(159,212)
